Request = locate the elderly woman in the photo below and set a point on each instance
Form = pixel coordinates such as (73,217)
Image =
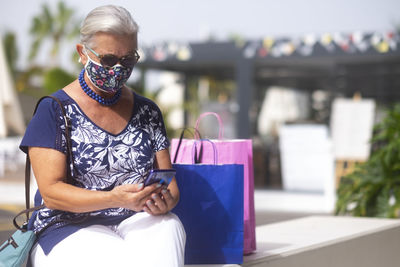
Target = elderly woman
(105,216)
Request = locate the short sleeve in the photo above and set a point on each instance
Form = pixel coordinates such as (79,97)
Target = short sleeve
(45,128)
(160,140)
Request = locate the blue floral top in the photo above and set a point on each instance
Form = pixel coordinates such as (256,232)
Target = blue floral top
(102,160)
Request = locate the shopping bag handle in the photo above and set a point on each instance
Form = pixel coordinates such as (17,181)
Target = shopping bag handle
(194,149)
(221,125)
(197,133)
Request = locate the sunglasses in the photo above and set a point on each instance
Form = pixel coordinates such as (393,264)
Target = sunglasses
(109,60)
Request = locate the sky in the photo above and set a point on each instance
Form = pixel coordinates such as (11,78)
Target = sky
(188,20)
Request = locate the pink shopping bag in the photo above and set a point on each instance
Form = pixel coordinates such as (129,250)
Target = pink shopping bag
(230,151)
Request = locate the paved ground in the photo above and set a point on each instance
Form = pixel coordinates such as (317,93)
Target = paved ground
(6,216)
(11,185)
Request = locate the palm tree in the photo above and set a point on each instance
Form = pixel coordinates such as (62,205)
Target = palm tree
(10,48)
(57,27)
(53,26)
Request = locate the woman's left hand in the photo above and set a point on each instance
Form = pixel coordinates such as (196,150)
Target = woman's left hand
(160,203)
(164,201)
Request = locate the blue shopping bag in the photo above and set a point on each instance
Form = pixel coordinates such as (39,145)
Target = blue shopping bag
(211,210)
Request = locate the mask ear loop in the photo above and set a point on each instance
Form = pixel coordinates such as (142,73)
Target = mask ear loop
(88,58)
(85,52)
(91,60)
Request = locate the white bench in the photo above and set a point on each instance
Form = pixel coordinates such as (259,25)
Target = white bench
(326,241)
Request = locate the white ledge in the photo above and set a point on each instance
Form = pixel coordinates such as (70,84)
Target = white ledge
(326,241)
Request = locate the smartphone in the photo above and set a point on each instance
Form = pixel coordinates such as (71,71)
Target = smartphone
(161,176)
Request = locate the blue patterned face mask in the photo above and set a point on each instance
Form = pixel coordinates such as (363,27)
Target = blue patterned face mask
(109,80)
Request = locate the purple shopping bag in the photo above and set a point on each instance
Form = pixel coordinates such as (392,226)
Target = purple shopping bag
(230,151)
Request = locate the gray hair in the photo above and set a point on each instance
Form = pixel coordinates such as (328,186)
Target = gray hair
(109,19)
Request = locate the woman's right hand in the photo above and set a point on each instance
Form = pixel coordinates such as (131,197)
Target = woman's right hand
(133,196)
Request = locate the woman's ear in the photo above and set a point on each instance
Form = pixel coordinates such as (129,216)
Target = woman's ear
(82,55)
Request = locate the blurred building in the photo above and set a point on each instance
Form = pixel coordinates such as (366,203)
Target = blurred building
(337,64)
(11,116)
(11,120)
(279,80)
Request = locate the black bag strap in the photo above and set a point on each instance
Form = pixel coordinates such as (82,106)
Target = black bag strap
(28,209)
(197,159)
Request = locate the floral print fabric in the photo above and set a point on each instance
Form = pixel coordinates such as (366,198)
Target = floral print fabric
(102,160)
(109,80)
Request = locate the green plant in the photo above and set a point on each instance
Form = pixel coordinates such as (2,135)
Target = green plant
(55,79)
(373,189)
(54,25)
(11,51)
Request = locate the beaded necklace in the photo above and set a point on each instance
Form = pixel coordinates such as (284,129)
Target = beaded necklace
(95,96)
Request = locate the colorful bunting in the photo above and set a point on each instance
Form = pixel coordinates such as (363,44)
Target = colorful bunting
(356,42)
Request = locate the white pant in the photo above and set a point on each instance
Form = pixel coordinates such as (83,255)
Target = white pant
(140,240)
